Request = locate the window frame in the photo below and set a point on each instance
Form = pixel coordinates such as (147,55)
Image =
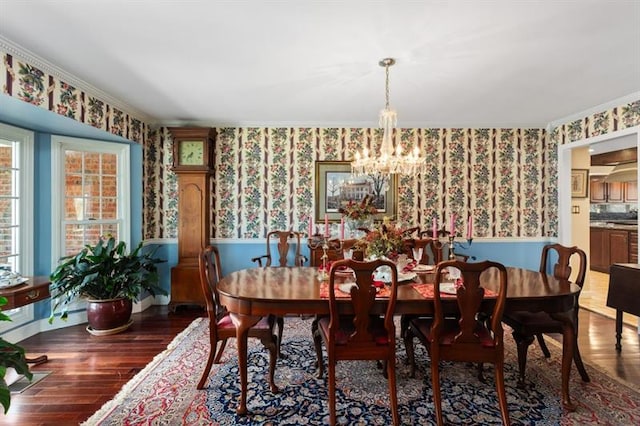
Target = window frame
(26,140)
(60,144)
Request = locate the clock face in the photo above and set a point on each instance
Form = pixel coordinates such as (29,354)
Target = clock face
(191,153)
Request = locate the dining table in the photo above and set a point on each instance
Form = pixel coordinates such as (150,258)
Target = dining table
(250,294)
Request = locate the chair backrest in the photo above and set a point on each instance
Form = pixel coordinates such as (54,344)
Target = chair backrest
(562,267)
(210,274)
(335,250)
(285,240)
(470,296)
(362,299)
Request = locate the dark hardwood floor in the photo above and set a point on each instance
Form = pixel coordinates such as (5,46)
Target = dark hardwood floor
(88,370)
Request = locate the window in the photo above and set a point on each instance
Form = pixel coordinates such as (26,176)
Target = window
(93,178)
(16,209)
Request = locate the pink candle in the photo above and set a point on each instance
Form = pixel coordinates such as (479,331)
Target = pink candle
(452,225)
(310,226)
(470,228)
(342,228)
(434,231)
(326,225)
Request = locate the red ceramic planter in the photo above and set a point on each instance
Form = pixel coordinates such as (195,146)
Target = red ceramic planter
(109,314)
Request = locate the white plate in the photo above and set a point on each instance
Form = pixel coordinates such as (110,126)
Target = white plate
(5,284)
(423,268)
(406,276)
(346,287)
(448,288)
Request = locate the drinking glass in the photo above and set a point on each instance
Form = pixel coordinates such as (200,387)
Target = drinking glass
(348,254)
(417,254)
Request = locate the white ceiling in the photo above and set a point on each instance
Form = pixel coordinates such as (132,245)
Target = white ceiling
(500,63)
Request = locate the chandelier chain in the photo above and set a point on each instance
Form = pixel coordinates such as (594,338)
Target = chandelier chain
(386,85)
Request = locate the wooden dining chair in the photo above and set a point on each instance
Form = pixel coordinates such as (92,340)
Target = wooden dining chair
(360,334)
(286,241)
(221,328)
(474,334)
(527,325)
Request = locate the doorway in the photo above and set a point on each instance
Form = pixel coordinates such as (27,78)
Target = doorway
(596,284)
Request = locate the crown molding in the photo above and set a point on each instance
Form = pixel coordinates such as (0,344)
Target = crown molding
(15,49)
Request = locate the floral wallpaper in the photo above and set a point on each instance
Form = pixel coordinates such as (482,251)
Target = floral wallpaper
(264,177)
(29,84)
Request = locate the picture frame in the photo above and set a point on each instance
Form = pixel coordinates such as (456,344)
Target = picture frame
(579,183)
(331,179)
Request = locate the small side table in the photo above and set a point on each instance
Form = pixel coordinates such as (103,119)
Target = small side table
(34,290)
(624,293)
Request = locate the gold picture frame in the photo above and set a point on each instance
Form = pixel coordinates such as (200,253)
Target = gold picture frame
(332,175)
(579,183)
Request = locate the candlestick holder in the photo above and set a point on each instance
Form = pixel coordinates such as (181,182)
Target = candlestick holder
(453,243)
(321,241)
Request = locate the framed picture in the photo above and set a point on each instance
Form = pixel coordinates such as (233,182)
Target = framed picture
(579,183)
(335,186)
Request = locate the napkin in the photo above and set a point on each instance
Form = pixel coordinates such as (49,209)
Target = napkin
(410,266)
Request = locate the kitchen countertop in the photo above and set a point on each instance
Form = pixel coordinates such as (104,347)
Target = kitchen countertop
(611,225)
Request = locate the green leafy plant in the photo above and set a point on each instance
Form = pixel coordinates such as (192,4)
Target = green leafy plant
(103,272)
(387,240)
(11,355)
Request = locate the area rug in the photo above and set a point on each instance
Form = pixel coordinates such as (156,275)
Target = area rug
(164,392)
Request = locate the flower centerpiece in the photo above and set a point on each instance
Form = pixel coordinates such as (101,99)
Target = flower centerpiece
(358,214)
(387,240)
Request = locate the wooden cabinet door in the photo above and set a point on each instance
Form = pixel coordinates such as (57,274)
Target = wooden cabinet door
(598,250)
(631,191)
(633,247)
(618,247)
(598,191)
(615,192)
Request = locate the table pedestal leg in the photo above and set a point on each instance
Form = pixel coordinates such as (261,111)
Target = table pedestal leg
(618,329)
(568,344)
(243,323)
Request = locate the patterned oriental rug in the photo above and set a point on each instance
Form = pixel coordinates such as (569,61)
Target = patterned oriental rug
(164,392)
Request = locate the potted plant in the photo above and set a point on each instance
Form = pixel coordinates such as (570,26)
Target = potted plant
(109,278)
(11,357)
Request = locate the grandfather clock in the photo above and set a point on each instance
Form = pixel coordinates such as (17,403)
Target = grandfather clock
(193,162)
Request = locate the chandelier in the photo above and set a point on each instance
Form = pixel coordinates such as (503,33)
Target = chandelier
(389,161)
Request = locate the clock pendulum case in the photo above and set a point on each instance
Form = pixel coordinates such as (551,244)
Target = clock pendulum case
(193,163)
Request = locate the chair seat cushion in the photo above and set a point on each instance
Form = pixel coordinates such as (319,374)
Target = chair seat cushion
(532,322)
(347,328)
(450,331)
(226,323)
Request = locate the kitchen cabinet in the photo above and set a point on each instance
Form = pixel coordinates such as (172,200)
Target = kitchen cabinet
(633,247)
(615,192)
(598,191)
(631,192)
(598,256)
(612,192)
(608,246)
